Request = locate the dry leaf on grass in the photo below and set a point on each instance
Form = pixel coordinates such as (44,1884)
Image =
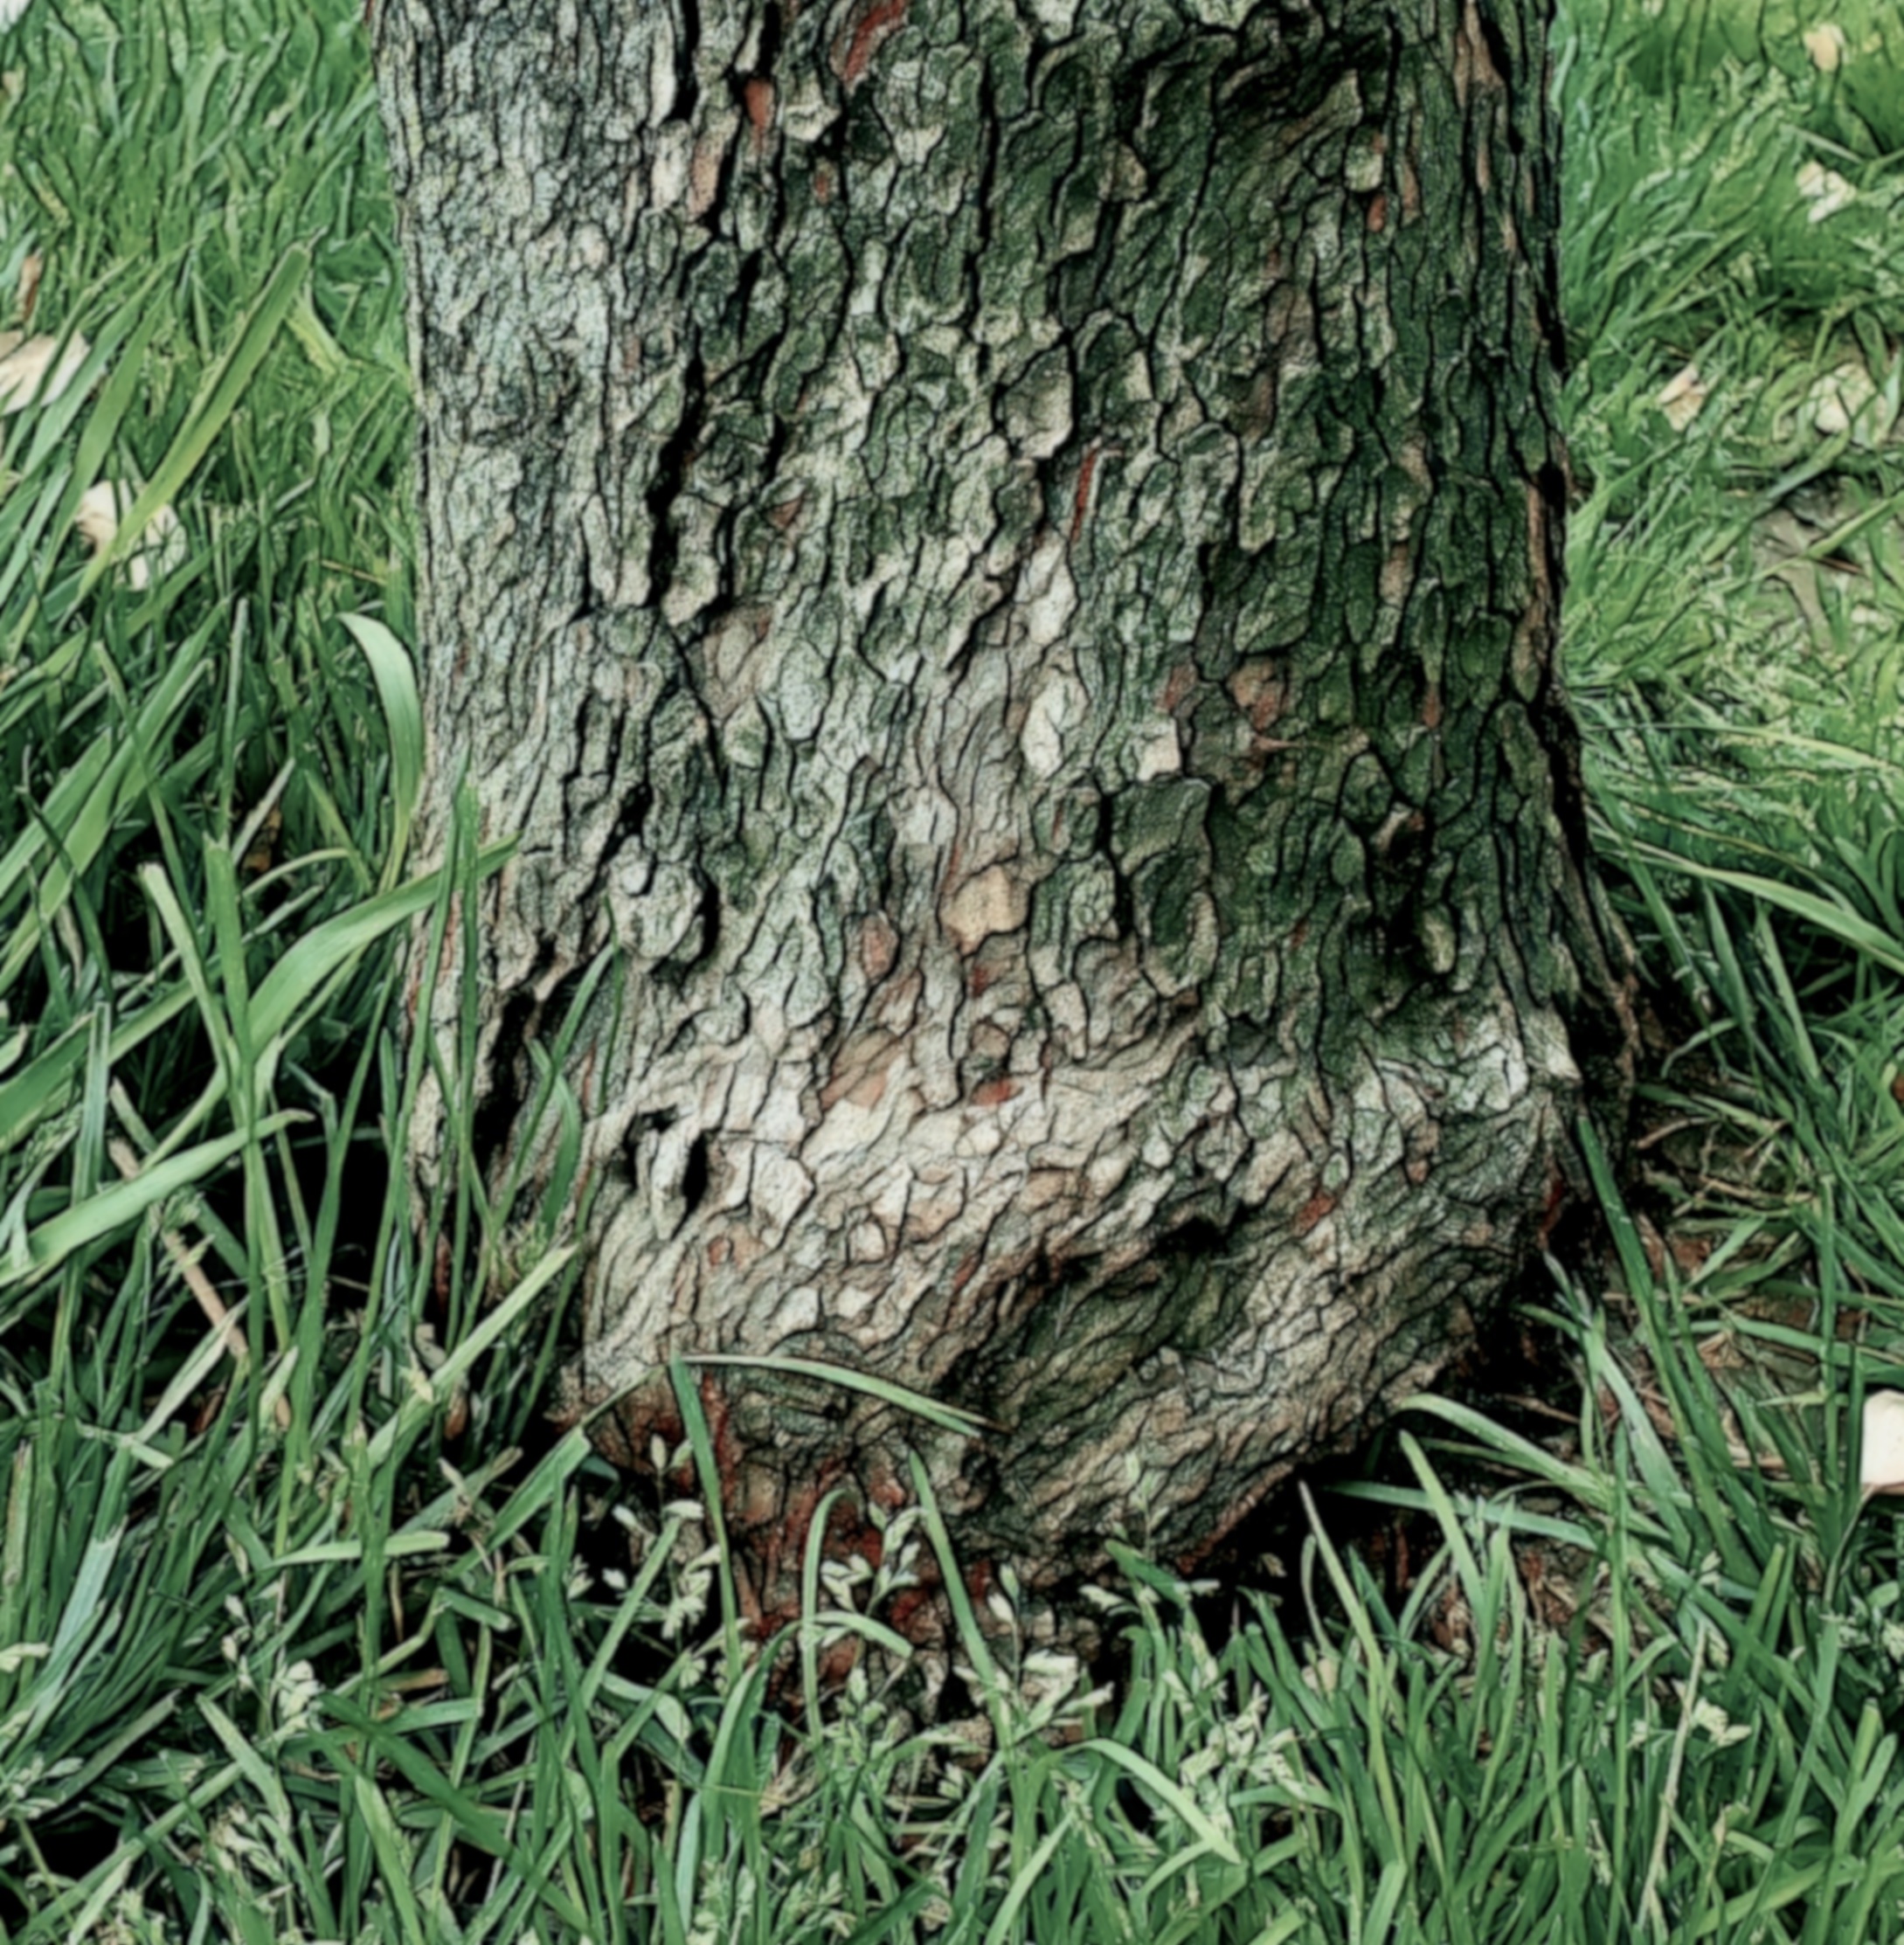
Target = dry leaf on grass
(36,370)
(100,510)
(25,364)
(1682,398)
(28,295)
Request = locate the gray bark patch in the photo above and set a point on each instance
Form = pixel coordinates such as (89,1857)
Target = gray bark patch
(1004,561)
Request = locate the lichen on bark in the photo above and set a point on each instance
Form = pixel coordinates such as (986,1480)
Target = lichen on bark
(1003,558)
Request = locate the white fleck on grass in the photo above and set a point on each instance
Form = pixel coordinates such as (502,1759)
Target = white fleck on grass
(1881,1468)
(1824,190)
(1827,45)
(1682,396)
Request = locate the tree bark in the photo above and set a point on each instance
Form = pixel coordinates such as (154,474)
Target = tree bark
(1003,557)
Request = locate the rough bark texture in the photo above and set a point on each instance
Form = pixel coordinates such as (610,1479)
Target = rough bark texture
(1003,554)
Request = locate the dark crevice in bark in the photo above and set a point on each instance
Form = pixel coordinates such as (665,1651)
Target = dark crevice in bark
(829,146)
(991,139)
(779,434)
(633,803)
(772,30)
(686,82)
(522,1026)
(671,464)
(493,1121)
(694,1176)
(1290,80)
(1504,62)
(711,921)
(705,934)
(585,603)
(745,384)
(1124,902)
(725,170)
(631,820)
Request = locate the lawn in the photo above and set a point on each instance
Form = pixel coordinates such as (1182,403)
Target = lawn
(311,1629)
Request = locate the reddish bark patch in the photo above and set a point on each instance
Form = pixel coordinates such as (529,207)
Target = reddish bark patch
(1080,500)
(873,23)
(720,1426)
(1533,637)
(1553,1206)
(704,173)
(879,946)
(993,1093)
(906,1609)
(869,1090)
(1431,707)
(1313,1210)
(847,1533)
(861,1074)
(1182,681)
(757,96)
(1377,217)
(836,1662)
(1258,690)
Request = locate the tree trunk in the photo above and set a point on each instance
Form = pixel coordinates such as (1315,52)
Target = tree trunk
(1003,556)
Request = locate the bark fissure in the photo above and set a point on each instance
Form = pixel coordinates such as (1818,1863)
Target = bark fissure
(1004,558)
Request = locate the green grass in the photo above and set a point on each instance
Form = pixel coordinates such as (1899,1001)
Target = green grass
(1736,620)
(333,1640)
